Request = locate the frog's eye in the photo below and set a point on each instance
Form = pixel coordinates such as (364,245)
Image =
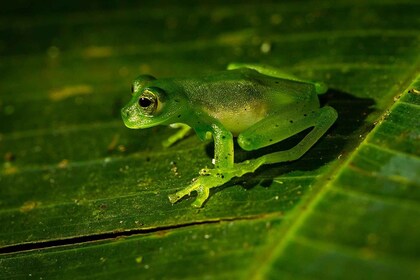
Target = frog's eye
(149,101)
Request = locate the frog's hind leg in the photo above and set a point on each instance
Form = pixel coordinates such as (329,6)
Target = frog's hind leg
(277,73)
(269,131)
(266,70)
(275,129)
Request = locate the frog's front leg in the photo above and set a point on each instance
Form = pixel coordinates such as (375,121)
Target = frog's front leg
(180,134)
(223,147)
(210,178)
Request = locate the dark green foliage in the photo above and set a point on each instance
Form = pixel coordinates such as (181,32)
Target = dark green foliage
(83,196)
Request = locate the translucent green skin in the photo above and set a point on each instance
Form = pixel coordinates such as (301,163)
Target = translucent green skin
(258,104)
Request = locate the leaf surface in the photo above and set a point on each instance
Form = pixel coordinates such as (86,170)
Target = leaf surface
(82,196)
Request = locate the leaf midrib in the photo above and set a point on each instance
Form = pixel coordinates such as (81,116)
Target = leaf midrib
(302,212)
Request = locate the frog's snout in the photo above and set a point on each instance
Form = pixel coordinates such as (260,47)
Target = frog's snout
(126,116)
(129,117)
(125,113)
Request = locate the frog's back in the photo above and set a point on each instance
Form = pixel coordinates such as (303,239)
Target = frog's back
(233,89)
(242,97)
(243,89)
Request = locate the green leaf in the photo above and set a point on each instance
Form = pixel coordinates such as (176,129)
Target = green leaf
(83,196)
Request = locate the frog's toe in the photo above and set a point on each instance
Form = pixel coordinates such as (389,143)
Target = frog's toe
(203,193)
(174,197)
(198,203)
(194,186)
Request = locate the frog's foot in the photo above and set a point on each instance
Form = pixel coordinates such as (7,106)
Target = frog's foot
(202,186)
(211,178)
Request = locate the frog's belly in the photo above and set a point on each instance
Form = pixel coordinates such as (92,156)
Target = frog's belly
(239,120)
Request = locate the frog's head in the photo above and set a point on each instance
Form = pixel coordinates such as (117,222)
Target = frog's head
(150,105)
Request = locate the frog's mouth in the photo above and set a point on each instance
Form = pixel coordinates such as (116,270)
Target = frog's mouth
(140,125)
(136,123)
(134,120)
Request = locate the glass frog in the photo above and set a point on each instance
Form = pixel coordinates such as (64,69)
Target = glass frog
(259,105)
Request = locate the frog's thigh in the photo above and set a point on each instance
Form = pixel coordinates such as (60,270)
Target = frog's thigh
(275,129)
(277,73)
(263,69)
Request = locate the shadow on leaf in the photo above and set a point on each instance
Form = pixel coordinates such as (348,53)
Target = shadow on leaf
(352,112)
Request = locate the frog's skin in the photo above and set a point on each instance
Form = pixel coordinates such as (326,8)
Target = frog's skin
(259,105)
